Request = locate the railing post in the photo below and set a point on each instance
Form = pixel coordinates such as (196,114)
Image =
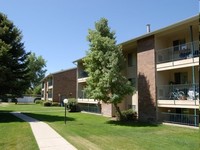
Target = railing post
(172,56)
(195,117)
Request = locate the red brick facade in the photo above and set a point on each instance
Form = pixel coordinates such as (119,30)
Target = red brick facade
(146,79)
(64,83)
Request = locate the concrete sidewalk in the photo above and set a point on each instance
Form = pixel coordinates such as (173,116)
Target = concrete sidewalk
(46,137)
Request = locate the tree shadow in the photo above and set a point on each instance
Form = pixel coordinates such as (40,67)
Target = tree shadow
(6,117)
(49,118)
(131,123)
(146,100)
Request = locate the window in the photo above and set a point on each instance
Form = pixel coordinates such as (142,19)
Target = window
(179,45)
(130,60)
(181,77)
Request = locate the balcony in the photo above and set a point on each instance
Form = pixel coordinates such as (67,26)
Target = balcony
(87,101)
(177,56)
(178,96)
(83,98)
(82,76)
(49,95)
(184,119)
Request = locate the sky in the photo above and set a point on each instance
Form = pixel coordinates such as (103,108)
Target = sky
(57,29)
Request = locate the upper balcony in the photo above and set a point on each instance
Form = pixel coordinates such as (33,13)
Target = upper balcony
(83,98)
(179,56)
(178,96)
(82,76)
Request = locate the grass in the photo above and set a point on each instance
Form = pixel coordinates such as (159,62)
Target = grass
(86,131)
(15,134)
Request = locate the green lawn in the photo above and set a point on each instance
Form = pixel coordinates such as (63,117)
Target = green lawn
(15,134)
(86,131)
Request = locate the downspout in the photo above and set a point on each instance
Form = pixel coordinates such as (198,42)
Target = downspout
(77,75)
(193,74)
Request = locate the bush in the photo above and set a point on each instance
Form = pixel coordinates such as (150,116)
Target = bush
(38,102)
(55,104)
(47,103)
(72,105)
(4,99)
(14,100)
(128,115)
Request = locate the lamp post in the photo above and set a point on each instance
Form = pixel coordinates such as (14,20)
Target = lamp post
(65,103)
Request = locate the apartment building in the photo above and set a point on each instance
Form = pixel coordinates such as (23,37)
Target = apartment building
(163,65)
(59,85)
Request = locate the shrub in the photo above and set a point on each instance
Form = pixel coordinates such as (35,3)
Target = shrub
(72,105)
(47,103)
(128,115)
(55,104)
(3,99)
(14,100)
(38,101)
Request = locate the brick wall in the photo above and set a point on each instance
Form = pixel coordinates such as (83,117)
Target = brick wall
(64,83)
(107,109)
(146,80)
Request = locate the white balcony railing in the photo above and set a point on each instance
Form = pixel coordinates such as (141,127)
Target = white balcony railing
(183,95)
(179,52)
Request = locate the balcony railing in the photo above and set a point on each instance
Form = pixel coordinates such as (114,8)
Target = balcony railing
(178,92)
(83,95)
(49,95)
(90,108)
(50,83)
(184,119)
(183,51)
(82,74)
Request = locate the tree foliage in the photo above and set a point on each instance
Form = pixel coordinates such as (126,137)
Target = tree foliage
(104,63)
(37,73)
(14,73)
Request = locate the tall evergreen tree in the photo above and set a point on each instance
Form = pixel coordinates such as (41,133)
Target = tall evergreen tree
(104,63)
(14,74)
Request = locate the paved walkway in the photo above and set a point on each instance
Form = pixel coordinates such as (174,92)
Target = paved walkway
(46,137)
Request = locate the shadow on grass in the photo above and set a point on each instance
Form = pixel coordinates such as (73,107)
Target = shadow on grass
(48,117)
(7,117)
(131,123)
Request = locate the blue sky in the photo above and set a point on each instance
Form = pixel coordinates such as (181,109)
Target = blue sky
(57,29)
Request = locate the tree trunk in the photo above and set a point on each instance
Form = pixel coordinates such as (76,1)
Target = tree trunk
(118,111)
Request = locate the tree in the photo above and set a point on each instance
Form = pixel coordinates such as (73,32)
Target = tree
(14,73)
(104,63)
(36,65)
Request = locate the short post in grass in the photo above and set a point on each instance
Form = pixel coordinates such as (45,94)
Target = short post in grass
(65,103)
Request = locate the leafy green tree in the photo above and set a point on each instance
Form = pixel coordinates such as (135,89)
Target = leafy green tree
(104,63)
(14,73)
(37,73)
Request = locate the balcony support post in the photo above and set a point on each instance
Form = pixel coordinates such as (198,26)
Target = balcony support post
(193,74)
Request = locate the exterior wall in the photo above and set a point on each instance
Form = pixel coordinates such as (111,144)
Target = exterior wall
(107,110)
(64,85)
(164,77)
(131,101)
(147,76)
(146,80)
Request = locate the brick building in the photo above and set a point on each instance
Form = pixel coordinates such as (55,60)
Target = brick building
(163,66)
(59,85)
